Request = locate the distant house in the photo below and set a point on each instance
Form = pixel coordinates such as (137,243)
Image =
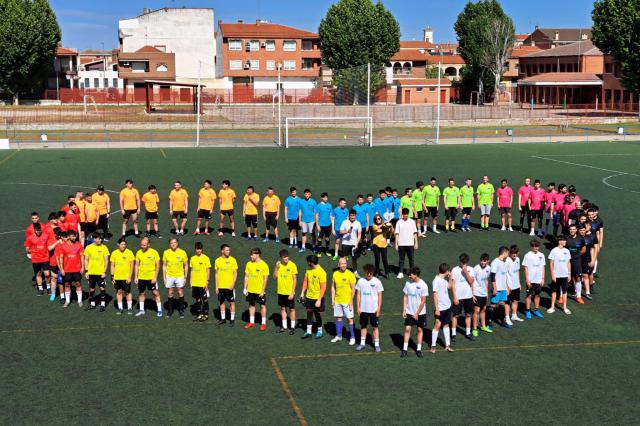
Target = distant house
(549,38)
(65,70)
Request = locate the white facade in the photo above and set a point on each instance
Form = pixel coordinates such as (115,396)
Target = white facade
(288,83)
(186,32)
(100,80)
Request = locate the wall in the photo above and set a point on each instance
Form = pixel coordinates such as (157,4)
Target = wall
(270,83)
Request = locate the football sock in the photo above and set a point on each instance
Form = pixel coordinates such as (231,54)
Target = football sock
(579,289)
(252,319)
(264,320)
(405,346)
(453,331)
(447,338)
(120,305)
(223,314)
(595,266)
(129,304)
(233,316)
(434,338)
(419,346)
(376,343)
(141,306)
(309,328)
(363,341)
(170,304)
(67,296)
(79,294)
(293,324)
(468,330)
(159,306)
(352,331)
(339,328)
(285,323)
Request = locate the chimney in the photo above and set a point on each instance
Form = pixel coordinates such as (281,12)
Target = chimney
(557,35)
(240,21)
(427,34)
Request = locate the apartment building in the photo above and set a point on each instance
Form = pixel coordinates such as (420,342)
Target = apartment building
(549,38)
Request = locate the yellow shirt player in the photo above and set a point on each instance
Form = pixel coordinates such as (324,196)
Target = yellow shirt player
(226,273)
(103,203)
(343,289)
(178,207)
(206,203)
(121,271)
(270,213)
(175,267)
(227,197)
(96,264)
(286,275)
(256,275)
(151,199)
(314,287)
(147,267)
(200,266)
(129,206)
(250,204)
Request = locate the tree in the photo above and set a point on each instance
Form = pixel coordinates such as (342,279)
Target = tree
(355,33)
(616,32)
(431,72)
(29,35)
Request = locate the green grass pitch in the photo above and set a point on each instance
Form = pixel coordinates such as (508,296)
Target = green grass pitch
(75,367)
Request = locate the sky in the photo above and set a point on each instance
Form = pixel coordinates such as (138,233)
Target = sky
(94,24)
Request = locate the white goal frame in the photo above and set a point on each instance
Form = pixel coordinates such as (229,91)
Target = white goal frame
(368,120)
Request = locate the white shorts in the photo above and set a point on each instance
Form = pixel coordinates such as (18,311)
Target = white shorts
(485,209)
(340,311)
(307,227)
(173,282)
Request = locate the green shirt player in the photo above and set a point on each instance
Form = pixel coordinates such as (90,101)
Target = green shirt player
(451,195)
(431,194)
(467,201)
(417,198)
(485,201)
(407,203)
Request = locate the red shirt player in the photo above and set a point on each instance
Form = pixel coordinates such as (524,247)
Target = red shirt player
(37,248)
(536,200)
(524,193)
(505,201)
(35,218)
(71,266)
(72,219)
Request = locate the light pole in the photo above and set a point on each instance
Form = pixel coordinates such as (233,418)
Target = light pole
(198,106)
(279,83)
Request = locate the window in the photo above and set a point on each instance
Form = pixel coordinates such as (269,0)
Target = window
(235,65)
(86,83)
(115,82)
(254,45)
(608,68)
(96,83)
(289,65)
(235,44)
(418,89)
(161,48)
(106,83)
(161,68)
(289,46)
(270,45)
(255,64)
(307,45)
(271,65)
(307,64)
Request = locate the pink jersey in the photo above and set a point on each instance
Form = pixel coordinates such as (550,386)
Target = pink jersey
(524,192)
(566,210)
(537,196)
(549,199)
(504,196)
(560,201)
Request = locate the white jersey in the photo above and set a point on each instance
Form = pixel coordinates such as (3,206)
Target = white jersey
(463,287)
(514,273)
(441,288)
(535,263)
(561,258)
(501,271)
(350,239)
(415,291)
(369,294)
(481,282)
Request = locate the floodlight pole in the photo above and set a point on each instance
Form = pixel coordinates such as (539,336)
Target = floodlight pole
(438,108)
(198,106)
(370,120)
(279,107)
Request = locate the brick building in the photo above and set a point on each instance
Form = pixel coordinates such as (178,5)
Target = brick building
(548,38)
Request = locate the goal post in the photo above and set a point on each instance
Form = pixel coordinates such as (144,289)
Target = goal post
(328,131)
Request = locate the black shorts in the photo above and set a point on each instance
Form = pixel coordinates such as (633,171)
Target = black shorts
(72,277)
(270,219)
(525,209)
(90,228)
(420,214)
(122,285)
(83,227)
(349,251)
(536,214)
(514,295)
(444,317)
(466,210)
(325,231)
(96,281)
(40,267)
(128,213)
(226,212)
(198,292)
(561,284)
(144,285)
(576,268)
(463,304)
(204,214)
(481,301)
(310,305)
(534,290)
(226,295)
(251,220)
(53,269)
(179,215)
(433,212)
(586,269)
(293,224)
(505,210)
(284,302)
(421,322)
(254,298)
(451,213)
(368,319)
(151,215)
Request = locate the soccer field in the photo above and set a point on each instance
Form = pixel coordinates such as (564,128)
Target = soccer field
(76,367)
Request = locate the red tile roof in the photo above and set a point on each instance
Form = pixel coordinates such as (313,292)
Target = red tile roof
(148,49)
(519,51)
(562,77)
(263,30)
(63,51)
(446,59)
(586,48)
(416,44)
(521,37)
(410,55)
(423,82)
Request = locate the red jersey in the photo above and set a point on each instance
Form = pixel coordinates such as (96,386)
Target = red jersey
(65,208)
(38,248)
(71,221)
(72,256)
(549,199)
(537,197)
(29,232)
(53,260)
(525,193)
(504,196)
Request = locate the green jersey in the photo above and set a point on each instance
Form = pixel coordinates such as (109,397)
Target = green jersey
(405,202)
(466,196)
(431,194)
(416,197)
(485,193)
(451,194)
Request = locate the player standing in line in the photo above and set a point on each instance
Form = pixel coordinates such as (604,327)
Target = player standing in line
(103,204)
(323,213)
(338,216)
(442,283)
(362,216)
(250,204)
(96,264)
(308,221)
(227,198)
(590,243)
(407,203)
(369,300)
(432,203)
(576,246)
(343,289)
(80,204)
(71,266)
(122,260)
(395,207)
(206,203)
(91,216)
(314,287)
(500,288)
(150,199)
(286,275)
(382,205)
(226,274)
(468,204)
(550,215)
(534,277)
(72,219)
(256,276)
(37,249)
(485,192)
(417,200)
(175,268)
(505,201)
(371,212)
(560,269)
(451,195)
(513,265)
(351,236)
(270,214)
(537,196)
(292,209)
(53,242)
(464,278)
(597,227)
(406,241)
(178,207)
(558,206)
(147,268)
(200,266)
(482,274)
(129,207)
(414,310)
(524,194)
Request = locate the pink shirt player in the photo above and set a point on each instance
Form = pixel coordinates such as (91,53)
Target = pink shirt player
(505,196)
(559,201)
(549,199)
(524,192)
(537,196)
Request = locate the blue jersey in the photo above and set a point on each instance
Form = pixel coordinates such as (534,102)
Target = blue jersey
(293,207)
(396,207)
(371,209)
(361,214)
(308,208)
(324,214)
(381,207)
(339,216)
(387,204)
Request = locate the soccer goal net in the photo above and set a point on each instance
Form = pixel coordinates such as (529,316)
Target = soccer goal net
(328,131)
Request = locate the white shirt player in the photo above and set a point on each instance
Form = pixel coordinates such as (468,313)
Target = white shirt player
(369,293)
(561,258)
(481,282)
(501,271)
(535,263)
(415,291)
(463,287)
(514,273)
(441,288)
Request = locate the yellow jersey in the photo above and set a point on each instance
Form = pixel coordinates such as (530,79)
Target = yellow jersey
(271,204)
(101,202)
(256,271)
(314,278)
(344,282)
(129,198)
(147,263)
(206,197)
(81,214)
(95,258)
(121,261)
(90,212)
(199,266)
(251,204)
(227,197)
(175,262)
(179,199)
(285,277)
(150,201)
(225,268)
